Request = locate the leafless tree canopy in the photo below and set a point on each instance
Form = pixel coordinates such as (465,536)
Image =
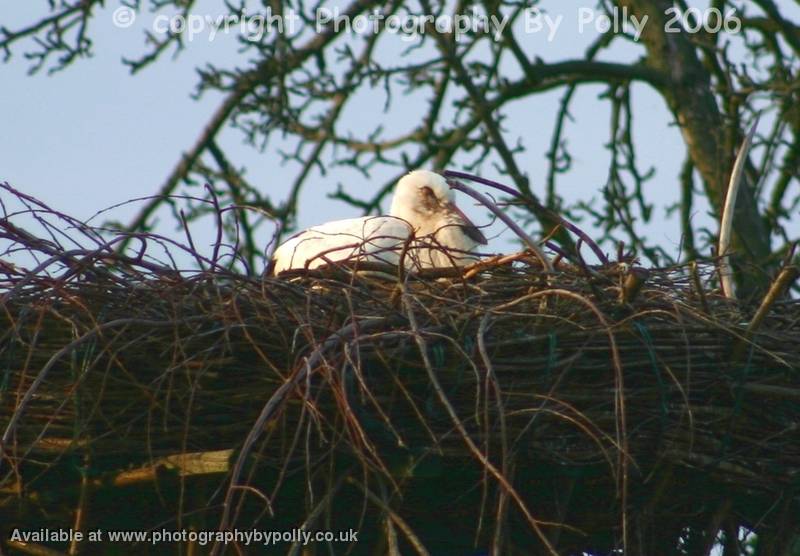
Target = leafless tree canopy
(292,88)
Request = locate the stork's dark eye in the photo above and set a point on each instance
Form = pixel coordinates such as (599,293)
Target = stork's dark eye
(428,192)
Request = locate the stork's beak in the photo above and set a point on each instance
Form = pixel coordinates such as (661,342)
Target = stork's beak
(467,226)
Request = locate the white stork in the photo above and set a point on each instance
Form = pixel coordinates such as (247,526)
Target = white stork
(423,204)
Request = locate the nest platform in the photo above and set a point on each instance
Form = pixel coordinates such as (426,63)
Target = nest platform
(498,409)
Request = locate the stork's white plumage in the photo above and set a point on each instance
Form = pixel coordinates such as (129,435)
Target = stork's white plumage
(423,203)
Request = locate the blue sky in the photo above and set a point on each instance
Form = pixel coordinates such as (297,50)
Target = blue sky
(93,135)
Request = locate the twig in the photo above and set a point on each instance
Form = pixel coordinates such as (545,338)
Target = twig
(23,403)
(455,184)
(697,285)
(555,216)
(401,523)
(779,287)
(501,479)
(277,399)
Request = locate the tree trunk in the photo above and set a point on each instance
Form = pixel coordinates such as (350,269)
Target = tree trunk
(691,100)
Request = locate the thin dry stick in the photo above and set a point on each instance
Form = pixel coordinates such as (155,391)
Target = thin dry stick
(619,390)
(698,286)
(274,403)
(779,287)
(80,511)
(455,184)
(401,523)
(491,380)
(564,222)
(726,225)
(311,518)
(501,479)
(26,398)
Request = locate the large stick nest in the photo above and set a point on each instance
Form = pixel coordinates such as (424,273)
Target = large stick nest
(499,408)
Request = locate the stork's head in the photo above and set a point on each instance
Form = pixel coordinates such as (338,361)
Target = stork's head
(426,201)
